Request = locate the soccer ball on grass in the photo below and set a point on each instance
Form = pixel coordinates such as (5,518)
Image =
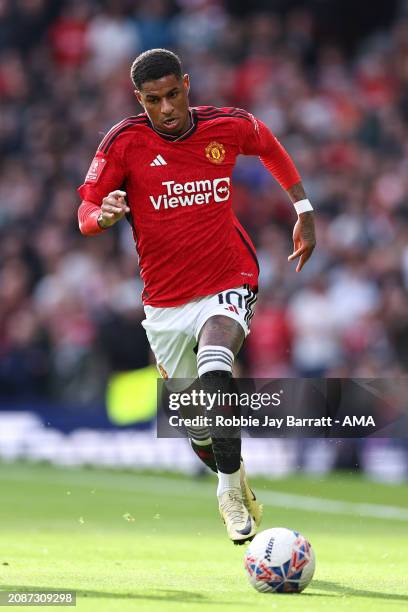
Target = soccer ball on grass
(279,560)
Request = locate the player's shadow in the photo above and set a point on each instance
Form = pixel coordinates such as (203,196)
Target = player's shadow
(157,595)
(344,589)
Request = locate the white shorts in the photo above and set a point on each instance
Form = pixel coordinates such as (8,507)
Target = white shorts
(173,332)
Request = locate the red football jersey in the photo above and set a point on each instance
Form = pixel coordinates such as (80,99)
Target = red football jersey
(179,192)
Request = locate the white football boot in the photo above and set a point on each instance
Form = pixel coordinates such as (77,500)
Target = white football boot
(254,508)
(240,525)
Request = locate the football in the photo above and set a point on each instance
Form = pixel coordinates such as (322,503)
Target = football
(279,560)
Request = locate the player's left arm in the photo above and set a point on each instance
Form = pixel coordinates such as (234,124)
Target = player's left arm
(304,236)
(257,139)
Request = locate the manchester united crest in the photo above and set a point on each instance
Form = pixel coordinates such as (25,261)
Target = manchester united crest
(215,152)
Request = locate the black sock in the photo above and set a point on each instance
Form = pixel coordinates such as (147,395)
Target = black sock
(227,453)
(226,442)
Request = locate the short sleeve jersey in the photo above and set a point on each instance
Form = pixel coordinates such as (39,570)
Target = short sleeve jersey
(179,191)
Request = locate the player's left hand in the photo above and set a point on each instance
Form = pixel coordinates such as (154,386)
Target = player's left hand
(304,239)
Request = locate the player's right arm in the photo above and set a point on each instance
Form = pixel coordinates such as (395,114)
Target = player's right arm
(103,204)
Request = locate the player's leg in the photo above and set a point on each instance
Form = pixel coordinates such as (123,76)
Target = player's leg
(237,304)
(173,333)
(203,449)
(199,437)
(220,340)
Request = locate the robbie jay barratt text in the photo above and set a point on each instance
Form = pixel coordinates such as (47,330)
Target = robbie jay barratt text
(277,423)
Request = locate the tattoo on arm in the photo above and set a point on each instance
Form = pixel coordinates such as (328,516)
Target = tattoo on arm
(296,193)
(308,228)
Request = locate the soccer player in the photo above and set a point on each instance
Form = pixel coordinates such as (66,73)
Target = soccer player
(168,170)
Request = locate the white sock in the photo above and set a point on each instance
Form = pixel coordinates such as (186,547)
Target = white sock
(228,481)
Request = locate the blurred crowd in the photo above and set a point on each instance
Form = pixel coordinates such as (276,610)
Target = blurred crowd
(70,306)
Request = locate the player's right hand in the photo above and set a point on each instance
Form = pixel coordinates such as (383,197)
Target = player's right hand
(114,208)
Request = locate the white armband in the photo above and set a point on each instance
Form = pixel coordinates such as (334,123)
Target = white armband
(302,206)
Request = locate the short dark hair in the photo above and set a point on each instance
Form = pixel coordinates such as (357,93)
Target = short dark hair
(154,64)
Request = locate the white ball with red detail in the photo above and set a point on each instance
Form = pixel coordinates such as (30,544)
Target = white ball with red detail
(279,560)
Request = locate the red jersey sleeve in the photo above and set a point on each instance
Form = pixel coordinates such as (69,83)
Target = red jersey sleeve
(257,139)
(88,214)
(105,174)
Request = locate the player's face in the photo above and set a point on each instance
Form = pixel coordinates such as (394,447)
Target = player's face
(165,101)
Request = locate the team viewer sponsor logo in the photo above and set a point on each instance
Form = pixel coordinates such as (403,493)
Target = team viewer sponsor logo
(191,193)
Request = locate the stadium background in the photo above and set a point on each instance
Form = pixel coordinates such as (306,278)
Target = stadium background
(331,80)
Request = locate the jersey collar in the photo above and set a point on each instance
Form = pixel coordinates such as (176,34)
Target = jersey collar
(172,138)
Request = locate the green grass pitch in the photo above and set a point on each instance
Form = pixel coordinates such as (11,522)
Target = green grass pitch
(129,541)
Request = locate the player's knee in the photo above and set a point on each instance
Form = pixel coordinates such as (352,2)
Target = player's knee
(215,360)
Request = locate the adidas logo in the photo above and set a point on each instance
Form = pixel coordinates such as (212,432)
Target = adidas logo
(159,161)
